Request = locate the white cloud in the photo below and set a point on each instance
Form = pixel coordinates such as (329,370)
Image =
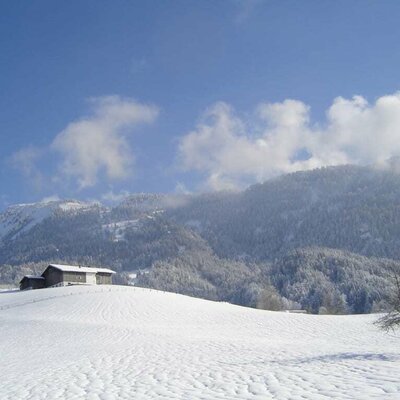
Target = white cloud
(232,153)
(180,188)
(25,160)
(98,143)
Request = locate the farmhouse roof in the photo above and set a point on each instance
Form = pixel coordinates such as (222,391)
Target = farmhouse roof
(77,268)
(31,277)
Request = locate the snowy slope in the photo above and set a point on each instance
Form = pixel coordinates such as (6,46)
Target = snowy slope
(116,342)
(21,218)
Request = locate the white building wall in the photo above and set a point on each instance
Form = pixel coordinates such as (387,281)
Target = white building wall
(91,278)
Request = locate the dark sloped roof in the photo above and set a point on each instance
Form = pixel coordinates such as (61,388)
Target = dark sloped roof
(38,277)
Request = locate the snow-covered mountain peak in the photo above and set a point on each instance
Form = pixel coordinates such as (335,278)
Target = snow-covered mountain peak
(76,206)
(20,218)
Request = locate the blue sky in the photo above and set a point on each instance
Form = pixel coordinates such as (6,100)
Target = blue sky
(100,98)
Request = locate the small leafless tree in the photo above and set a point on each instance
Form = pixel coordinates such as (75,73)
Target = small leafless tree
(392,319)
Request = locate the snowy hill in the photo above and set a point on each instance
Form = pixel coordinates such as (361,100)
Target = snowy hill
(21,218)
(327,240)
(116,342)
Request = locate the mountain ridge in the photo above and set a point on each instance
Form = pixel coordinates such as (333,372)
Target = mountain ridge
(228,245)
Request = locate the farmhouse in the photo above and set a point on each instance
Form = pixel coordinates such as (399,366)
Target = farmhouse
(32,282)
(64,275)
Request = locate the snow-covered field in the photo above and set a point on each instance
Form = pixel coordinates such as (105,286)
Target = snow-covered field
(116,342)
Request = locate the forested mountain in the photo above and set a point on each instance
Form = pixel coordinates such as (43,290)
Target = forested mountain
(325,240)
(350,208)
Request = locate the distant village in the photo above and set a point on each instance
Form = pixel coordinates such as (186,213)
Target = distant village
(56,275)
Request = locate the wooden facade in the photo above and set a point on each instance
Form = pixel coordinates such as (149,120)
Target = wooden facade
(32,282)
(73,277)
(52,276)
(103,279)
(64,275)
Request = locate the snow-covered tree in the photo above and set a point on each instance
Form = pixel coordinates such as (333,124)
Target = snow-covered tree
(392,319)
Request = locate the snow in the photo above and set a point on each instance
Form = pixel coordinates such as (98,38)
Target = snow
(115,342)
(75,205)
(133,276)
(21,218)
(118,229)
(77,268)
